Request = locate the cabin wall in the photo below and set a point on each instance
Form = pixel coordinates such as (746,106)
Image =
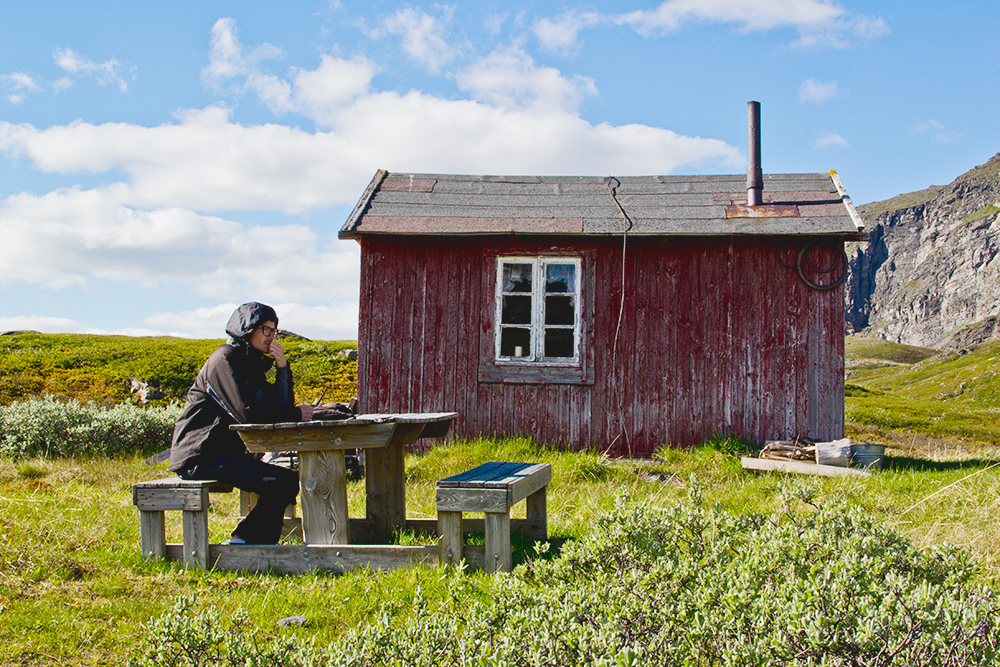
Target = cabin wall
(715,337)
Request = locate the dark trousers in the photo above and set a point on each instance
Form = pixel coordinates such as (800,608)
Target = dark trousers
(275,486)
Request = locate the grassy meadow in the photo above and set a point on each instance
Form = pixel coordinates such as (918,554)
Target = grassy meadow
(100,368)
(74,589)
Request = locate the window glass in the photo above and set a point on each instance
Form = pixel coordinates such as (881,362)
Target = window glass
(560,278)
(516,309)
(559,343)
(559,310)
(517,277)
(515,342)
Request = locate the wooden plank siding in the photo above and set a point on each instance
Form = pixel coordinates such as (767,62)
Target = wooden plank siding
(716,338)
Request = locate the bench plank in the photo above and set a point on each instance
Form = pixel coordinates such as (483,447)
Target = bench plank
(472,500)
(538,477)
(492,474)
(301,558)
(473,476)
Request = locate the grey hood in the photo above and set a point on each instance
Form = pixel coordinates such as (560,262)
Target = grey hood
(248,317)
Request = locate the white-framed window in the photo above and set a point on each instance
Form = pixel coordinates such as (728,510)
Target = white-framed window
(538,309)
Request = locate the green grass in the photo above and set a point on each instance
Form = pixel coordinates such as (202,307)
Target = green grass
(857,349)
(921,402)
(984,212)
(909,200)
(74,589)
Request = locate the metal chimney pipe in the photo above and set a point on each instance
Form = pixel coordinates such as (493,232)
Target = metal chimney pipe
(755,175)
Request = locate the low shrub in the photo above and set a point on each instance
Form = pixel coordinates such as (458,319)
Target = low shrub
(47,427)
(680,585)
(187,636)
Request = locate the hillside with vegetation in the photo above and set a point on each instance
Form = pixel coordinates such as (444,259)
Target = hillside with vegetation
(100,369)
(920,401)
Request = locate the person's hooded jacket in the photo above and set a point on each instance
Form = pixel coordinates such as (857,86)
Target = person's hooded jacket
(232,388)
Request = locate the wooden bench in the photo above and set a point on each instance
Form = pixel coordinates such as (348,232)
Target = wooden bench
(492,488)
(155,497)
(190,496)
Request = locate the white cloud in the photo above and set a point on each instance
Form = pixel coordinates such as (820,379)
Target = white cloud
(110,72)
(337,320)
(43,324)
(321,94)
(817,92)
(228,59)
(524,122)
(511,79)
(829,140)
(423,36)
(18,85)
(317,94)
(207,322)
(748,14)
(494,22)
(819,22)
(936,131)
(68,238)
(561,33)
(843,32)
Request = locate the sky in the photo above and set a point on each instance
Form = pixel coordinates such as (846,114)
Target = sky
(161,163)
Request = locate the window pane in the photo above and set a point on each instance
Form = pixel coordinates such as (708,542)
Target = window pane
(517,277)
(560,278)
(559,343)
(516,310)
(512,338)
(560,310)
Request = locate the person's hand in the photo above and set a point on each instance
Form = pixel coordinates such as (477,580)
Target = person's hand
(278,352)
(307,412)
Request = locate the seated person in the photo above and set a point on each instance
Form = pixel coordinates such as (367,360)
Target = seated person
(232,388)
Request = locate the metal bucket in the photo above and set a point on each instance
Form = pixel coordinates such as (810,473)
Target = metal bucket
(867,455)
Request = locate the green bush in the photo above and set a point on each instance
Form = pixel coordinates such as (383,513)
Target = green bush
(681,585)
(47,427)
(188,637)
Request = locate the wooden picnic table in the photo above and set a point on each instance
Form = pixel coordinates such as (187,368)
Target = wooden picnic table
(323,472)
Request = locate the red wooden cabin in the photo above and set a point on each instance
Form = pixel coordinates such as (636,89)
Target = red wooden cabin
(618,314)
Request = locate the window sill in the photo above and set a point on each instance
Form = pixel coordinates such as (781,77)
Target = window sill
(533,373)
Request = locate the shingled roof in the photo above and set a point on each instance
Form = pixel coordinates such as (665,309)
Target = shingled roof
(443,204)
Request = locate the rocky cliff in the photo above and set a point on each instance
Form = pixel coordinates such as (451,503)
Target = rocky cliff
(929,274)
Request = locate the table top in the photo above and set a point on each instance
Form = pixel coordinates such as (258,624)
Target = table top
(358,432)
(357,420)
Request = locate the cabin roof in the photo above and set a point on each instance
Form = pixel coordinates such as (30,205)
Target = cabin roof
(445,204)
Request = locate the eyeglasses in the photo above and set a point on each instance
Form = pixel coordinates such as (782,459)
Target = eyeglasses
(268,331)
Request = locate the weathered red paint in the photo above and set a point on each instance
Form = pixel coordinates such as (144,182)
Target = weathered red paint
(716,337)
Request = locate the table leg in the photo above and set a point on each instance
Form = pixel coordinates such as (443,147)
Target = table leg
(323,493)
(385,490)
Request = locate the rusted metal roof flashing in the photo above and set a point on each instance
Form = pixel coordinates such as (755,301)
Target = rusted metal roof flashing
(414,204)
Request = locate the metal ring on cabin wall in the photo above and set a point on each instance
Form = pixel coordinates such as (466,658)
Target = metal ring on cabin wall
(805,259)
(782,248)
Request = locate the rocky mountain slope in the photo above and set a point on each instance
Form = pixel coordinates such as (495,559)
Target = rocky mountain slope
(930,272)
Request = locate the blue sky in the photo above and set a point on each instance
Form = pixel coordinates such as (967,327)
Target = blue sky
(161,163)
